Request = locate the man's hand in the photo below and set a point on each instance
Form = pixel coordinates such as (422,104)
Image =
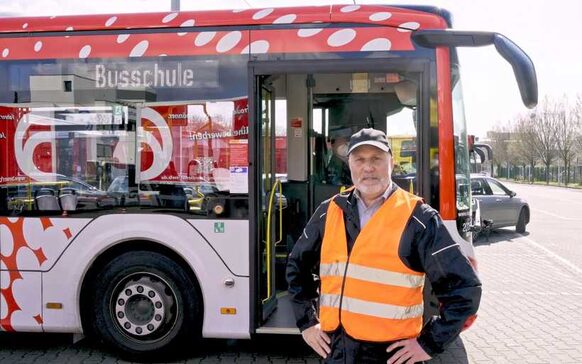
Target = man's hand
(410,352)
(317,339)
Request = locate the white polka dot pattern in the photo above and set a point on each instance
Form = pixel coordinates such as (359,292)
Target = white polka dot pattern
(341,37)
(204,38)
(392,33)
(285,19)
(256,47)
(228,42)
(110,21)
(378,44)
(350,8)
(85,51)
(168,18)
(262,14)
(139,49)
(408,27)
(122,38)
(380,16)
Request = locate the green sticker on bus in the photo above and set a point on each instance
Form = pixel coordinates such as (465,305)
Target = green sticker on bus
(218,227)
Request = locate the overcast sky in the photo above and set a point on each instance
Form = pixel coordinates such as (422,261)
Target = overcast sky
(546,30)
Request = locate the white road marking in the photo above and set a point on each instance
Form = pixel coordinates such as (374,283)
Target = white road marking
(535,293)
(566,262)
(555,215)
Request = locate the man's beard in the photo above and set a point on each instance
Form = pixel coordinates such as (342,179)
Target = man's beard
(373,189)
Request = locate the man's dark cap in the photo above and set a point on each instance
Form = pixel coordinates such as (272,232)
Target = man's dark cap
(369,136)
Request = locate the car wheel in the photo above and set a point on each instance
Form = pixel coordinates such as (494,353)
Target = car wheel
(520,227)
(145,305)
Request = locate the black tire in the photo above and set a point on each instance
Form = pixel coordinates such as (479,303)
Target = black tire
(145,305)
(521,221)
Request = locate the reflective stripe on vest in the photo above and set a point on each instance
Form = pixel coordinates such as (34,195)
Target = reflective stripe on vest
(379,297)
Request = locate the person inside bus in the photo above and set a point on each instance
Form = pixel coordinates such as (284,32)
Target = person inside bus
(338,172)
(374,245)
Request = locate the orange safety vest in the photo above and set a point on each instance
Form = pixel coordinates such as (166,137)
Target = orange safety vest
(374,295)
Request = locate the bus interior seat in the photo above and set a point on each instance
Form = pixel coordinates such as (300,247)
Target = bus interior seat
(68,199)
(46,199)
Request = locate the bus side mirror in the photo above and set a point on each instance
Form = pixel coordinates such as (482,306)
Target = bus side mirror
(523,67)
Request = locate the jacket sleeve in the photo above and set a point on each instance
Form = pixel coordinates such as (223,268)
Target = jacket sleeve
(302,264)
(453,279)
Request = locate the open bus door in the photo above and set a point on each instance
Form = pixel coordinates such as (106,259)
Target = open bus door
(271,201)
(303,113)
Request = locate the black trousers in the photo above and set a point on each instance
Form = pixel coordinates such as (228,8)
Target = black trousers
(347,350)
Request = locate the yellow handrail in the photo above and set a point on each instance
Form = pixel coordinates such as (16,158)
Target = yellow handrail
(276,186)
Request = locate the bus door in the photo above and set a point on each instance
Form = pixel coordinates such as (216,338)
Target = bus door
(304,120)
(269,197)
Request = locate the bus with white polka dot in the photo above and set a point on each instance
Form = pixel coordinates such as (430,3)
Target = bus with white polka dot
(156,169)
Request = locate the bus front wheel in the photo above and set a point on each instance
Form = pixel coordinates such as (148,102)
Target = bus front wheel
(145,304)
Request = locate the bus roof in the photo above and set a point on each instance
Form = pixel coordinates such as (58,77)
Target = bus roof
(403,17)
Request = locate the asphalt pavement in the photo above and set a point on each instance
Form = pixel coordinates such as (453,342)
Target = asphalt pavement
(531,311)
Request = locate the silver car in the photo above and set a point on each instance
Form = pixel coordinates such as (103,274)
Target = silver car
(499,204)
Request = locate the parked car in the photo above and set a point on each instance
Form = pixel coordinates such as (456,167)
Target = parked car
(499,204)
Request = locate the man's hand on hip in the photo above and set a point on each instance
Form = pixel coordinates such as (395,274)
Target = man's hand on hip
(317,339)
(410,352)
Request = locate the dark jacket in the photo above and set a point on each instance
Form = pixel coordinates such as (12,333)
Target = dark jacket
(432,251)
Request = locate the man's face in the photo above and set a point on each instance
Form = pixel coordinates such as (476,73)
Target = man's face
(371,170)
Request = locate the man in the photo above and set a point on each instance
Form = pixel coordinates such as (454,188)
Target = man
(374,244)
(338,172)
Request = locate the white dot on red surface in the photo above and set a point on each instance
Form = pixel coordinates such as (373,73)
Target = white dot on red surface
(85,51)
(5,52)
(238,10)
(139,49)
(69,29)
(25,25)
(378,44)
(380,16)
(408,27)
(204,38)
(349,8)
(3,304)
(7,241)
(262,13)
(37,46)
(122,38)
(285,19)
(187,23)
(228,42)
(256,47)
(110,21)
(168,18)
(310,32)
(341,37)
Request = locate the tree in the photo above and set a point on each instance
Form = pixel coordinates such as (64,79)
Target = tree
(523,145)
(566,134)
(545,118)
(499,138)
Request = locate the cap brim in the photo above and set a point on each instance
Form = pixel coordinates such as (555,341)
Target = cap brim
(373,143)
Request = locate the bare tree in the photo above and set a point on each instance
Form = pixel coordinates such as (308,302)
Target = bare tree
(523,146)
(545,119)
(576,114)
(566,138)
(499,138)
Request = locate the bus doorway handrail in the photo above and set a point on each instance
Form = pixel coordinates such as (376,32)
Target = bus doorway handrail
(277,186)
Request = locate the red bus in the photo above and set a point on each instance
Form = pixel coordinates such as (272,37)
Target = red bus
(156,169)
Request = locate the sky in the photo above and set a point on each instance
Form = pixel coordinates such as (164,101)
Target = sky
(545,29)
